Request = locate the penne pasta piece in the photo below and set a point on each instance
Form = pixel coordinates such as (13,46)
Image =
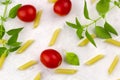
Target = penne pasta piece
(65,71)
(25,46)
(113,64)
(85,41)
(38,76)
(54,37)
(2,60)
(113,42)
(52,1)
(27,65)
(37,19)
(94,59)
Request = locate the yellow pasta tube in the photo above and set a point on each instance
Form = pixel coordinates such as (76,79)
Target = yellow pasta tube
(65,71)
(2,60)
(94,59)
(27,65)
(25,46)
(52,1)
(85,41)
(37,19)
(54,37)
(38,76)
(113,42)
(113,64)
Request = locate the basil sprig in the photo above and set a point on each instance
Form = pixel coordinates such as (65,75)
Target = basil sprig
(103,32)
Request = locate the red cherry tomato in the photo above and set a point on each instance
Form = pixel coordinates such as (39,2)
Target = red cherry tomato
(26,13)
(51,58)
(62,7)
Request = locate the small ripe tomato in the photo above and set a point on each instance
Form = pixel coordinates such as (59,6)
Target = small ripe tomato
(62,7)
(26,13)
(51,58)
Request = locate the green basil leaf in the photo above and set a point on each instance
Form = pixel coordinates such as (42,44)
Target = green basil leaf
(15,44)
(14,36)
(6,2)
(89,37)
(79,33)
(12,39)
(86,14)
(103,7)
(14,31)
(3,18)
(78,23)
(12,49)
(102,33)
(13,11)
(2,31)
(117,3)
(109,28)
(2,50)
(79,29)
(76,26)
(72,58)
(72,25)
